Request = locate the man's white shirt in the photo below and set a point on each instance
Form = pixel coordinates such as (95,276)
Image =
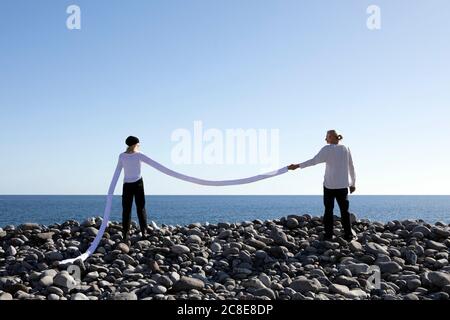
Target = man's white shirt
(339,166)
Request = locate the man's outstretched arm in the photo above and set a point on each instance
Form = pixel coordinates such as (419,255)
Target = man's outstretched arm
(319,158)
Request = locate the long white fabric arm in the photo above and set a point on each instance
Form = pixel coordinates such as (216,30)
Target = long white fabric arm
(174,174)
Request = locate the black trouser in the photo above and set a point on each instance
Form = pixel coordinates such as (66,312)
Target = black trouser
(136,190)
(341,196)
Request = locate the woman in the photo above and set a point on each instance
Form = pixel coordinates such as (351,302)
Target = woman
(133,186)
(339,165)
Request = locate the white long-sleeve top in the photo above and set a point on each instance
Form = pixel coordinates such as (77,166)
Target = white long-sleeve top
(131,164)
(339,165)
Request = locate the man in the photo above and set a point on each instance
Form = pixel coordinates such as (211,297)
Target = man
(339,165)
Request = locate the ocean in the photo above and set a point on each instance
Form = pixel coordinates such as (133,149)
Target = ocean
(182,210)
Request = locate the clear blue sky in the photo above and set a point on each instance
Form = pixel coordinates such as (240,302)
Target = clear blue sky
(69,98)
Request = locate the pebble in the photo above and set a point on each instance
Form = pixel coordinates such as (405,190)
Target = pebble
(124,296)
(376,248)
(123,247)
(225,234)
(91,231)
(188,283)
(303,285)
(439,279)
(291,223)
(180,249)
(357,268)
(215,247)
(46,281)
(6,296)
(78,296)
(64,280)
(273,259)
(265,292)
(11,251)
(390,267)
(159,289)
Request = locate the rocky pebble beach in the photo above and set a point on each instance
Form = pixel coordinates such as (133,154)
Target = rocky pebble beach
(283,259)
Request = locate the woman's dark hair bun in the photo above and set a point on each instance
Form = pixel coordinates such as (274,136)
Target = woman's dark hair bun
(340,137)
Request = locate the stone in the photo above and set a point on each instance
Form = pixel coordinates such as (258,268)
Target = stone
(265,279)
(64,280)
(389,267)
(6,296)
(188,283)
(256,243)
(347,281)
(422,229)
(410,257)
(245,271)
(355,246)
(357,294)
(194,239)
(317,273)
(441,232)
(291,223)
(413,284)
(411,296)
(201,261)
(91,231)
(375,248)
(357,268)
(439,279)
(346,292)
(45,236)
(225,234)
(253,283)
(123,247)
(303,285)
(54,256)
(123,296)
(154,266)
(52,297)
(339,289)
(159,289)
(91,276)
(265,292)
(436,245)
(215,247)
(78,296)
(28,226)
(180,249)
(260,254)
(11,251)
(278,236)
(277,252)
(88,222)
(46,281)
(55,290)
(174,276)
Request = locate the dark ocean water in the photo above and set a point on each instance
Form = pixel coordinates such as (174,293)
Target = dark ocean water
(180,210)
